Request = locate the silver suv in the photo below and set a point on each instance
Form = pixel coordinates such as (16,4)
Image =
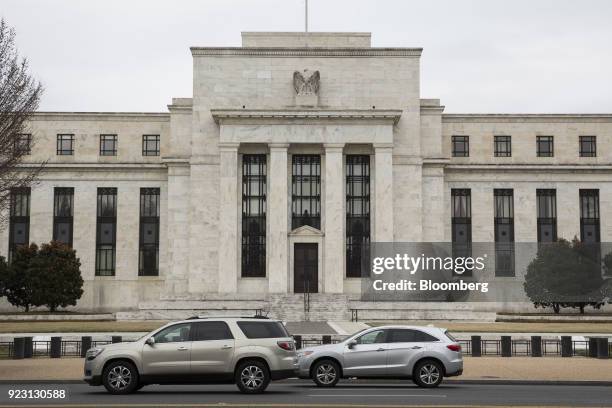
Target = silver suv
(247,351)
(424,354)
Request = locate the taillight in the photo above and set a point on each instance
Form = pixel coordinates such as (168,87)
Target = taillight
(286,345)
(454,347)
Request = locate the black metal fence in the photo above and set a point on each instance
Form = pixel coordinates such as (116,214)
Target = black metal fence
(476,346)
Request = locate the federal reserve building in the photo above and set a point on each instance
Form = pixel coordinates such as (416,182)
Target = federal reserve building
(262,192)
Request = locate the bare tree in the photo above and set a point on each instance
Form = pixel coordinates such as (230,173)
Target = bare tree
(19,97)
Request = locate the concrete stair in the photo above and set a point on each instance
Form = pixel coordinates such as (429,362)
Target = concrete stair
(421,311)
(323,307)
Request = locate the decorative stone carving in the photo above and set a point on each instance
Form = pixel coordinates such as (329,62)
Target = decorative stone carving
(306,88)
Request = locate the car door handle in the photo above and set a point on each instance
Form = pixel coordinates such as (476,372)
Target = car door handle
(182,348)
(416,347)
(226,347)
(381,349)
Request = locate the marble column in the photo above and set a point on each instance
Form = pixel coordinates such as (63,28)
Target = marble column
(277,215)
(383,193)
(334,256)
(228,218)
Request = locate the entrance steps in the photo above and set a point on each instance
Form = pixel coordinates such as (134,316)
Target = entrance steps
(291,307)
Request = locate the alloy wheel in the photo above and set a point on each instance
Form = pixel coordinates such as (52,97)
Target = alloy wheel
(252,377)
(326,374)
(429,374)
(119,377)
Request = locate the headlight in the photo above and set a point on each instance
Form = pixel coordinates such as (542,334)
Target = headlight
(301,354)
(93,353)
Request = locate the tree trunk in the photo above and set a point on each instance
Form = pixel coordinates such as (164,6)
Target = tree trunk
(27,308)
(581,309)
(556,308)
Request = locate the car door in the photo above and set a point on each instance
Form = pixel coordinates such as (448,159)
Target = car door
(368,357)
(169,355)
(212,349)
(405,347)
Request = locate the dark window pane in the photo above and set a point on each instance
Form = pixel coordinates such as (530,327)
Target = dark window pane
(504,232)
(547,215)
(262,330)
(503,146)
(174,334)
(23,143)
(357,213)
(150,145)
(545,146)
(588,146)
(65,144)
(19,219)
(461,146)
(306,191)
(410,336)
(106,231)
(589,216)
(148,264)
(108,145)
(212,331)
(254,172)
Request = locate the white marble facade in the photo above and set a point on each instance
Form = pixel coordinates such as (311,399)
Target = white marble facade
(243,102)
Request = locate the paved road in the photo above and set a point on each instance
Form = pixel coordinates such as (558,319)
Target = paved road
(297,393)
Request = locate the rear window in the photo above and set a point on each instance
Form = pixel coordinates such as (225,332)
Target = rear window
(263,330)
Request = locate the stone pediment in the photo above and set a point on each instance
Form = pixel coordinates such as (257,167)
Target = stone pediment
(306,231)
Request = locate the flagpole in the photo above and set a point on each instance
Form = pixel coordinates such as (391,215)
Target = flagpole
(306,15)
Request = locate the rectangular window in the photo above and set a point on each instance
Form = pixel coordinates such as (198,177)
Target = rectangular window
(65,145)
(150,145)
(547,215)
(503,146)
(108,145)
(23,143)
(254,189)
(148,256)
(504,232)
(545,146)
(306,191)
(63,213)
(19,219)
(357,213)
(589,216)
(461,146)
(106,231)
(262,330)
(461,223)
(588,146)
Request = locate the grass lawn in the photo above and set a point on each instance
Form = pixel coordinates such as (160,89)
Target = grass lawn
(513,327)
(78,326)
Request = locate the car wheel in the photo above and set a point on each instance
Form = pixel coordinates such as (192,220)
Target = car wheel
(326,373)
(252,377)
(120,377)
(428,374)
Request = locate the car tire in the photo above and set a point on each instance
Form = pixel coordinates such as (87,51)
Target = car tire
(120,377)
(252,377)
(326,373)
(428,374)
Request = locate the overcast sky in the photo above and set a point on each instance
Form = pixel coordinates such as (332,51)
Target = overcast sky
(479,56)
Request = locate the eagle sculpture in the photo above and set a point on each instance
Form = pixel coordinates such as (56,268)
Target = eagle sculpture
(305,86)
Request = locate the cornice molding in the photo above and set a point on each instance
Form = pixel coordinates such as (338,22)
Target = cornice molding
(283,52)
(102,116)
(527,117)
(306,114)
(530,167)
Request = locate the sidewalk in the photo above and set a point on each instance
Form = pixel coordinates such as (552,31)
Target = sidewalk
(482,368)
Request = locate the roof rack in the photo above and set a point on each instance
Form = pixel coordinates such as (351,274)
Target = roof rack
(226,317)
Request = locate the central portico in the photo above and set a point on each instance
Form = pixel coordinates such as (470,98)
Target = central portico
(287,123)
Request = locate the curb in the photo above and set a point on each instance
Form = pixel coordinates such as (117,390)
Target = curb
(373,382)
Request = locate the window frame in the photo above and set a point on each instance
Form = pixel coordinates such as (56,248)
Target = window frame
(61,138)
(300,162)
(545,141)
(108,138)
(152,194)
(358,190)
(19,217)
(18,144)
(505,247)
(587,140)
(592,198)
(106,219)
(500,141)
(58,218)
(253,223)
(146,141)
(460,140)
(543,195)
(196,327)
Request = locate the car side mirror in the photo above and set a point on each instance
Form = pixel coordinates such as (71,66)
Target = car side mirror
(352,344)
(150,341)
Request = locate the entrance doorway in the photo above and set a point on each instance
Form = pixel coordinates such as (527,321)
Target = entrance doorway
(305,268)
